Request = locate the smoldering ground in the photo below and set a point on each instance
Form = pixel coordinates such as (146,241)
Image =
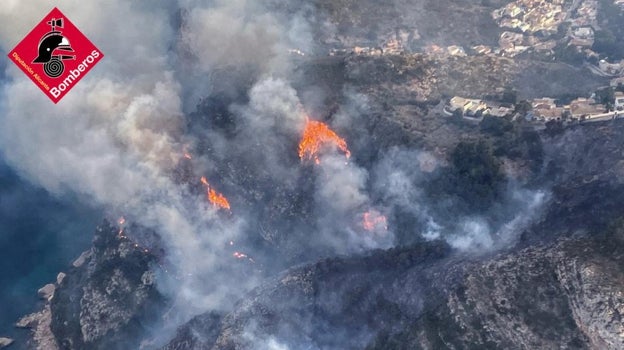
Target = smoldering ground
(122,133)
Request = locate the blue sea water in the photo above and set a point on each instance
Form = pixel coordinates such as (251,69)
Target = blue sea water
(40,235)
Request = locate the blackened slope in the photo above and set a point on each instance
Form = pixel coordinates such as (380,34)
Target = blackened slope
(106,300)
(565,293)
(562,295)
(331,301)
(201,332)
(584,167)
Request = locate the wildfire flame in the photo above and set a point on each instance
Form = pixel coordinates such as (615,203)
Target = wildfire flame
(204,181)
(218,199)
(374,220)
(214,197)
(121,221)
(186,153)
(239,255)
(315,136)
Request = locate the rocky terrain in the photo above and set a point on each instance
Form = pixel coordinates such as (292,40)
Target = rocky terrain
(105,300)
(561,284)
(585,179)
(560,287)
(448,22)
(568,293)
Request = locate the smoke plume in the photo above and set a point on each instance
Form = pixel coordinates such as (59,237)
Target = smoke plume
(119,136)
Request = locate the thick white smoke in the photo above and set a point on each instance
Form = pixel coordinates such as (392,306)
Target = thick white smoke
(476,235)
(341,194)
(123,112)
(117,136)
(233,33)
(399,179)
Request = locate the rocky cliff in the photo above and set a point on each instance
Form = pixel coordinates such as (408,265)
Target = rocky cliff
(559,287)
(566,294)
(106,300)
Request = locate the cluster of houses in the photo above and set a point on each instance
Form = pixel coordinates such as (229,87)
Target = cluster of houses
(543,109)
(396,42)
(530,24)
(474,109)
(531,15)
(580,109)
(586,14)
(512,43)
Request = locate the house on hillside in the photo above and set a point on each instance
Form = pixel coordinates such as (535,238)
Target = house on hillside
(545,109)
(582,107)
(619,100)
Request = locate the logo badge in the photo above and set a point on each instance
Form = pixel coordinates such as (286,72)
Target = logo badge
(55,55)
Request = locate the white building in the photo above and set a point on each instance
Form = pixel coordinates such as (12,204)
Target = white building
(619,100)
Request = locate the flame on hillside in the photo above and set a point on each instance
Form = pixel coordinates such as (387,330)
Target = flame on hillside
(239,256)
(374,221)
(215,198)
(316,136)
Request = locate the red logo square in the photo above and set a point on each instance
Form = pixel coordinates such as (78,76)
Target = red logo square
(55,55)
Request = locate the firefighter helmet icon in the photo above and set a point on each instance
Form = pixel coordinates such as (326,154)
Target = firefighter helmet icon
(52,50)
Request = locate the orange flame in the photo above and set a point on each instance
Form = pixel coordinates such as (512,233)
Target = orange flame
(121,220)
(214,197)
(217,199)
(315,136)
(374,220)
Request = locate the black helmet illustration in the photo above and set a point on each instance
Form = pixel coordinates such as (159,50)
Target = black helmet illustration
(50,50)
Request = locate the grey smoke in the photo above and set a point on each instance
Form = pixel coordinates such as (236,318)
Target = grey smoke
(116,138)
(399,181)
